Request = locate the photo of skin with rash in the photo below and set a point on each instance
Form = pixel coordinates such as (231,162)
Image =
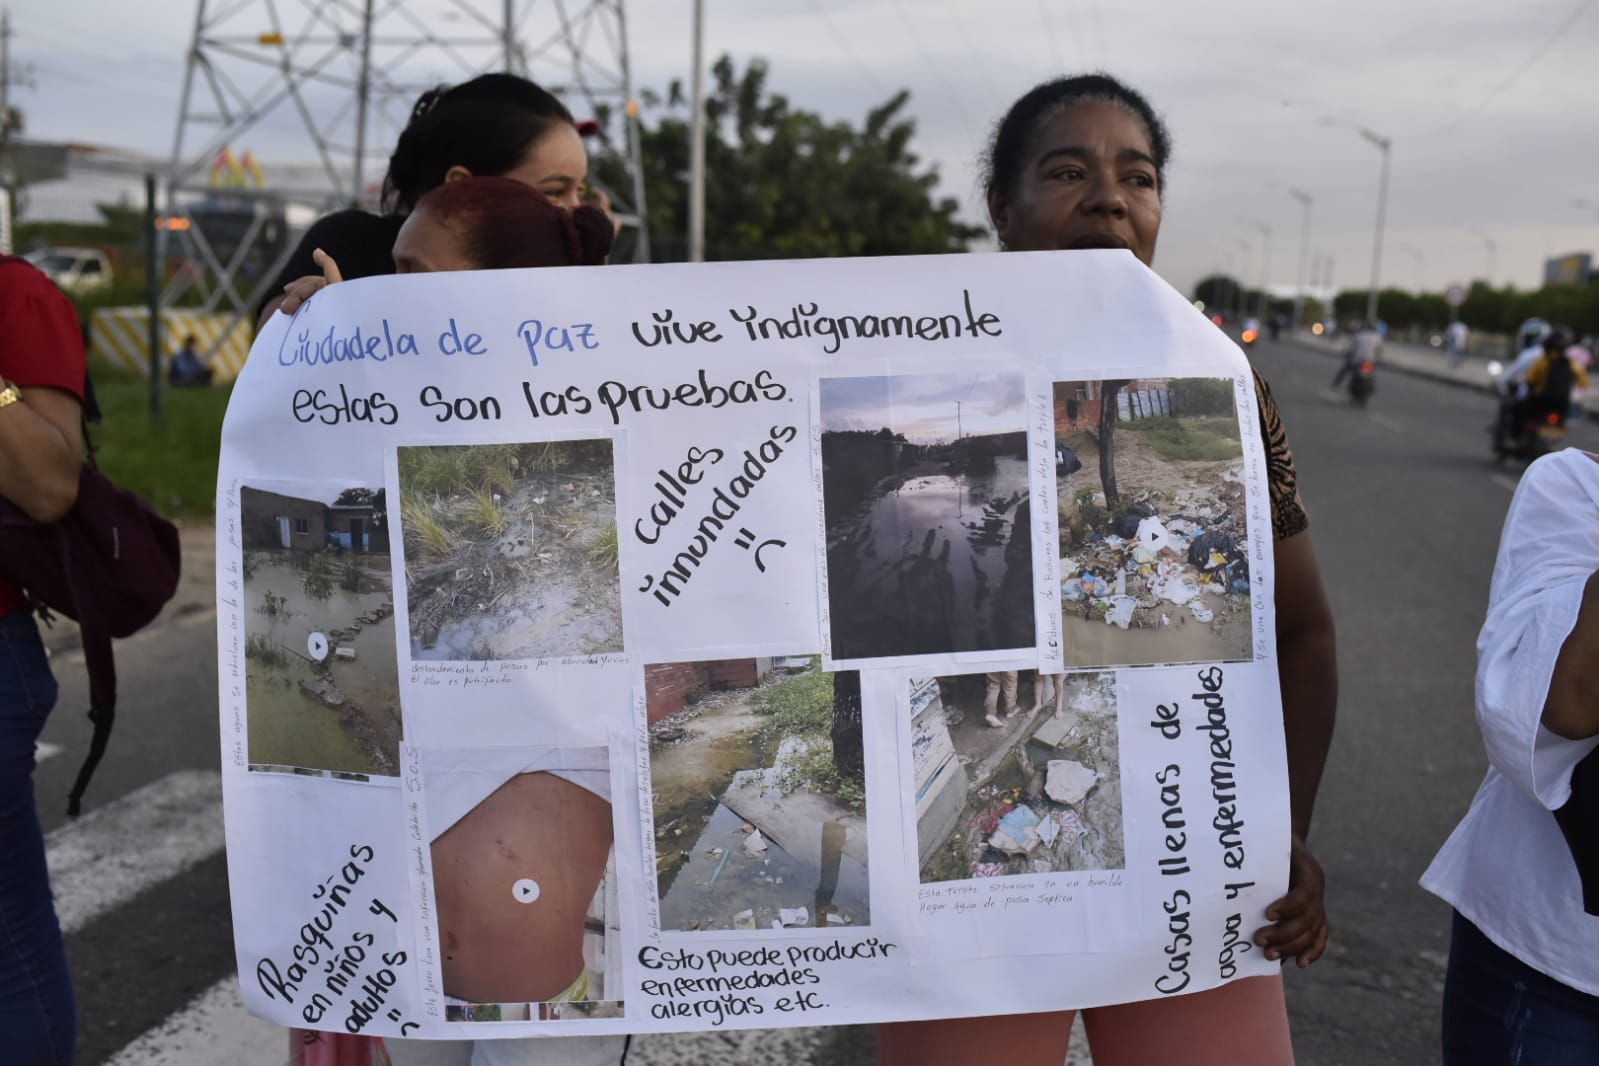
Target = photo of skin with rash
(926,495)
(524,881)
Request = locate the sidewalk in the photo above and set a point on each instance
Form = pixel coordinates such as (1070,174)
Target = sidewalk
(1417,360)
(196,587)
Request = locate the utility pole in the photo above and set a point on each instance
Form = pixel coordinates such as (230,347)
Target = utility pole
(363,92)
(1304,255)
(959,433)
(696,157)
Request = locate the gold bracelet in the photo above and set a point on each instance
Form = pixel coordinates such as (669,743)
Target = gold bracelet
(10,394)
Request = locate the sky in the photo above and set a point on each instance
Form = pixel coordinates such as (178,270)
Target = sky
(923,407)
(1488,105)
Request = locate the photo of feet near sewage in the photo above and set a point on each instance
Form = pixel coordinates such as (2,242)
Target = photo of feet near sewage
(1038,793)
(1153,533)
(758,781)
(511,550)
(925,493)
(321,686)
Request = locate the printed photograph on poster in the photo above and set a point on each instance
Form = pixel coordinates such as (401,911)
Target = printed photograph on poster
(511,550)
(758,785)
(524,882)
(1153,532)
(1038,793)
(925,496)
(321,685)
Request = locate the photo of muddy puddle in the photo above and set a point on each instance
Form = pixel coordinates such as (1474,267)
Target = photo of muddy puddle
(1154,536)
(1039,794)
(511,550)
(322,689)
(925,494)
(758,783)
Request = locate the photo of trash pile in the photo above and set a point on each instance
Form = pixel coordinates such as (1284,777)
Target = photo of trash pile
(1154,544)
(1042,797)
(1157,564)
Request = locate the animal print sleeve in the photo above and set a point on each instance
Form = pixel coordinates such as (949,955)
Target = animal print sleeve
(1288,515)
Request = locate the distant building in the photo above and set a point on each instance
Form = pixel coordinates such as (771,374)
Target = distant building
(1575,268)
(271,521)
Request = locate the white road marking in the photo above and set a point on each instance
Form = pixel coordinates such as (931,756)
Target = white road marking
(1386,422)
(1504,481)
(213,1028)
(103,859)
(43,751)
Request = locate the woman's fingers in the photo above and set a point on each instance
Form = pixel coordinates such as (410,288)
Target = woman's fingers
(296,292)
(330,269)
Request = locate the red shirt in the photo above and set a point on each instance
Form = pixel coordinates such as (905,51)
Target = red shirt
(40,345)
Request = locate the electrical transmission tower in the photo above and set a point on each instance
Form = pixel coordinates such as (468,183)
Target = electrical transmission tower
(332,82)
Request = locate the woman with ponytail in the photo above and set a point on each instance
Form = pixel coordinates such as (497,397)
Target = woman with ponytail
(494,125)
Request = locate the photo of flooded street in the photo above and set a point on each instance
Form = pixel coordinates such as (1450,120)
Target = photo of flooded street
(1154,537)
(511,550)
(322,687)
(1039,794)
(926,498)
(757,776)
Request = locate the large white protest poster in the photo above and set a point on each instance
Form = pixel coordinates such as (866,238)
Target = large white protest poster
(652,648)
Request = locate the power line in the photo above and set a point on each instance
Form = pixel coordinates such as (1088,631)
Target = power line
(849,50)
(938,71)
(1049,36)
(1515,76)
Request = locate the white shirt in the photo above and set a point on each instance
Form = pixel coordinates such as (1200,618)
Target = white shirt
(1457,336)
(1506,867)
(1517,373)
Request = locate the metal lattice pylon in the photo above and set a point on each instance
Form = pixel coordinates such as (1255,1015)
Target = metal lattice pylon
(348,71)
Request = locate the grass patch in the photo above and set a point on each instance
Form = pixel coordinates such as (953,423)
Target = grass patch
(604,550)
(173,466)
(814,771)
(1206,439)
(802,704)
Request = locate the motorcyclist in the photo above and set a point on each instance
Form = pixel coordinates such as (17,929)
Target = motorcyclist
(1549,381)
(1364,347)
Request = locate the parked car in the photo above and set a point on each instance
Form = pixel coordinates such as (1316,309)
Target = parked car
(76,270)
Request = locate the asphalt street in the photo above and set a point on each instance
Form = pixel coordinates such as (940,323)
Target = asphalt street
(1406,508)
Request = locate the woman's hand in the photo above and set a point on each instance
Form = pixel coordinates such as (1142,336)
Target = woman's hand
(296,292)
(1299,919)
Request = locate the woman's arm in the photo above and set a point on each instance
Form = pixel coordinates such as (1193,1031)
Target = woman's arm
(41,452)
(1571,709)
(1307,667)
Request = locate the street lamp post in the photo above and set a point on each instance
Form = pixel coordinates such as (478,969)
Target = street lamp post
(1421,264)
(1304,254)
(1241,305)
(1385,145)
(696,150)
(1493,251)
(1265,265)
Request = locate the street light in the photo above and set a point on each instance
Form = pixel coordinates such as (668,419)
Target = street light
(1265,262)
(1493,250)
(1384,145)
(1421,264)
(1304,254)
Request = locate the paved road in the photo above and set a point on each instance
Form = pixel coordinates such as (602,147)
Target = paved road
(1406,513)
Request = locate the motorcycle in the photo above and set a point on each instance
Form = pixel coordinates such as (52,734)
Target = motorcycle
(1363,382)
(1538,435)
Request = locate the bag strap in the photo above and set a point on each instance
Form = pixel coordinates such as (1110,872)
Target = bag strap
(100,661)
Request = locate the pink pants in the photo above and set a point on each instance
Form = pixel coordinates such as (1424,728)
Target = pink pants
(1241,1022)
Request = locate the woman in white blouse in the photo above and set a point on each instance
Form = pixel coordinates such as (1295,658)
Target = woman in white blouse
(1523,981)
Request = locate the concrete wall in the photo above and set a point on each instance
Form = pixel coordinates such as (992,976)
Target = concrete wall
(260,520)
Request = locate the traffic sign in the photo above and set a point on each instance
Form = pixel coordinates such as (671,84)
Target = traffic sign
(1455,295)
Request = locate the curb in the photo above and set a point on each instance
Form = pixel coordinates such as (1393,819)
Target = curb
(1388,363)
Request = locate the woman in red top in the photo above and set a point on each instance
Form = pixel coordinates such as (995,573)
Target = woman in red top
(41,450)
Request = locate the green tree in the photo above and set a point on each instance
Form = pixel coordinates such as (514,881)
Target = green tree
(1219,293)
(785,183)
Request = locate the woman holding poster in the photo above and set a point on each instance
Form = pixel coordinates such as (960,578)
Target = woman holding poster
(495,124)
(482,223)
(1080,163)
